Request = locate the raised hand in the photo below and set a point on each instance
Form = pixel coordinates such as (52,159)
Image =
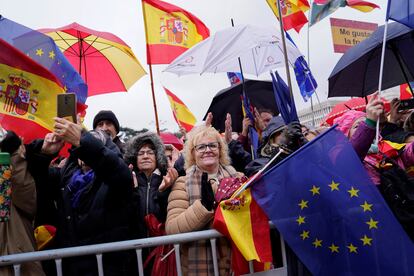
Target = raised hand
(209,119)
(52,144)
(168,180)
(228,128)
(375,107)
(68,131)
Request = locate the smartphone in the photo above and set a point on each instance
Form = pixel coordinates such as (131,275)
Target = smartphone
(66,106)
(406,104)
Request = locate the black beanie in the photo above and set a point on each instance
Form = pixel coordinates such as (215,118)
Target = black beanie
(106,115)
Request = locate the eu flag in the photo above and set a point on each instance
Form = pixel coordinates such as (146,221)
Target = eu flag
(43,50)
(284,100)
(401,11)
(330,213)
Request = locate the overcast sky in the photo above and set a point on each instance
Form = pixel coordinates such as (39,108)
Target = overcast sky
(124,19)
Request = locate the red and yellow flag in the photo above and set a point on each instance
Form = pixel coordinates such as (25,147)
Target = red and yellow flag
(292,13)
(405,92)
(28,93)
(170,31)
(182,114)
(362,6)
(243,221)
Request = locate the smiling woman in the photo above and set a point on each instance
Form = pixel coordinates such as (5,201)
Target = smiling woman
(192,199)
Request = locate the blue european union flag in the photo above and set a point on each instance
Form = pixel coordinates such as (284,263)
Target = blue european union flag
(44,51)
(401,11)
(284,100)
(330,213)
(306,82)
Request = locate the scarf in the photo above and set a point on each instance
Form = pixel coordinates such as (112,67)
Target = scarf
(200,260)
(78,184)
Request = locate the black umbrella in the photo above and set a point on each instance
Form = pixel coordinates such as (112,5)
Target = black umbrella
(260,94)
(356,73)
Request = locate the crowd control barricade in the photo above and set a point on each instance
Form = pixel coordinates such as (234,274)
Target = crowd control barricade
(57,255)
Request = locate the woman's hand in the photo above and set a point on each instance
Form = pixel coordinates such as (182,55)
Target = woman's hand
(228,128)
(168,180)
(375,107)
(207,194)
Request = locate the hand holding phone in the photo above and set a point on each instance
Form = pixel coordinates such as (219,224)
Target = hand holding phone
(66,106)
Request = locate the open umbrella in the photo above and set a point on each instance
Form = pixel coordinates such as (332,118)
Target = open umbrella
(356,73)
(105,62)
(260,50)
(260,94)
(169,138)
(352,104)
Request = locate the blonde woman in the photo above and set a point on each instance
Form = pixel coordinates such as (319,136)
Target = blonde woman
(191,202)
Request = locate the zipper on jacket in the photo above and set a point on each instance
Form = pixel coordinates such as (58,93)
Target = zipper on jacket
(148,192)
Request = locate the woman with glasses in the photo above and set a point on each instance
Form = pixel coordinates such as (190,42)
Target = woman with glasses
(146,157)
(191,202)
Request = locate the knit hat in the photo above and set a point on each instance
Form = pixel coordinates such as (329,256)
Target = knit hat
(346,121)
(106,115)
(44,234)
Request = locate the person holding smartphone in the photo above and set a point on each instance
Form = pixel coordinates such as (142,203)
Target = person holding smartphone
(17,233)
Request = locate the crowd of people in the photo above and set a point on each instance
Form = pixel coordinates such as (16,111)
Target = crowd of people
(106,190)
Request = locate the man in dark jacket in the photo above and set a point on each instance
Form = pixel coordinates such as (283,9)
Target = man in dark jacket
(106,121)
(93,195)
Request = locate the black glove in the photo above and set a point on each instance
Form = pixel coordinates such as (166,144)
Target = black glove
(10,143)
(294,138)
(207,194)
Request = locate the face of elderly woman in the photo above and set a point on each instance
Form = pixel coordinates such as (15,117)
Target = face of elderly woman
(207,154)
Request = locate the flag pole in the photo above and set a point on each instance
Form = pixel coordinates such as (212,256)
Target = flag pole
(308,54)
(381,72)
(154,102)
(282,31)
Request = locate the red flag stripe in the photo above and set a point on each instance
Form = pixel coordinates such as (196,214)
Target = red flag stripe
(261,232)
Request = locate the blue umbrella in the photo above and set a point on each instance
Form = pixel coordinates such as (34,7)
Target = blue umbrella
(356,73)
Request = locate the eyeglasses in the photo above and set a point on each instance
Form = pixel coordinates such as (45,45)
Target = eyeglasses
(148,152)
(203,147)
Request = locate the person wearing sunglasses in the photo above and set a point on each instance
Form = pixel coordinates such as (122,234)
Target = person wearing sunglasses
(192,200)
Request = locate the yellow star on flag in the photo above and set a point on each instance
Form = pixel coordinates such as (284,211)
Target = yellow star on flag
(352,248)
(317,243)
(303,204)
(39,52)
(334,186)
(372,223)
(305,235)
(300,220)
(366,206)
(334,248)
(353,192)
(315,190)
(52,55)
(365,240)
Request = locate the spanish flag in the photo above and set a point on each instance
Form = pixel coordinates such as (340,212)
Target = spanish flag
(170,31)
(292,13)
(405,92)
(243,221)
(28,93)
(182,114)
(362,6)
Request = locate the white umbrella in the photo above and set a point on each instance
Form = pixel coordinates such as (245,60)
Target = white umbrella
(260,50)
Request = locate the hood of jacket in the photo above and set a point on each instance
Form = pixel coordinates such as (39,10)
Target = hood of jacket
(136,143)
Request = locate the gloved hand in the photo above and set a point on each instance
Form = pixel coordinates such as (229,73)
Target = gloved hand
(207,194)
(11,142)
(294,138)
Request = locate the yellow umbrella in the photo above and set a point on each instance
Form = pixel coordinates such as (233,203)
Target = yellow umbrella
(105,62)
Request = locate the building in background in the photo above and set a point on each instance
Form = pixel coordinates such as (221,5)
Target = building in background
(322,109)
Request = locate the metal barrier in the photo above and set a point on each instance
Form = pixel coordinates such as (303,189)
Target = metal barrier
(98,249)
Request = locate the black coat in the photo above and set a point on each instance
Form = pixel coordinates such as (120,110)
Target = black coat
(104,210)
(150,200)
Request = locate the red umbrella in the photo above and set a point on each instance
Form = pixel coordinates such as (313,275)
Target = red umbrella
(169,138)
(352,104)
(105,62)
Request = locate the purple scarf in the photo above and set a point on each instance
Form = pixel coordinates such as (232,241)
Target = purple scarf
(78,184)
